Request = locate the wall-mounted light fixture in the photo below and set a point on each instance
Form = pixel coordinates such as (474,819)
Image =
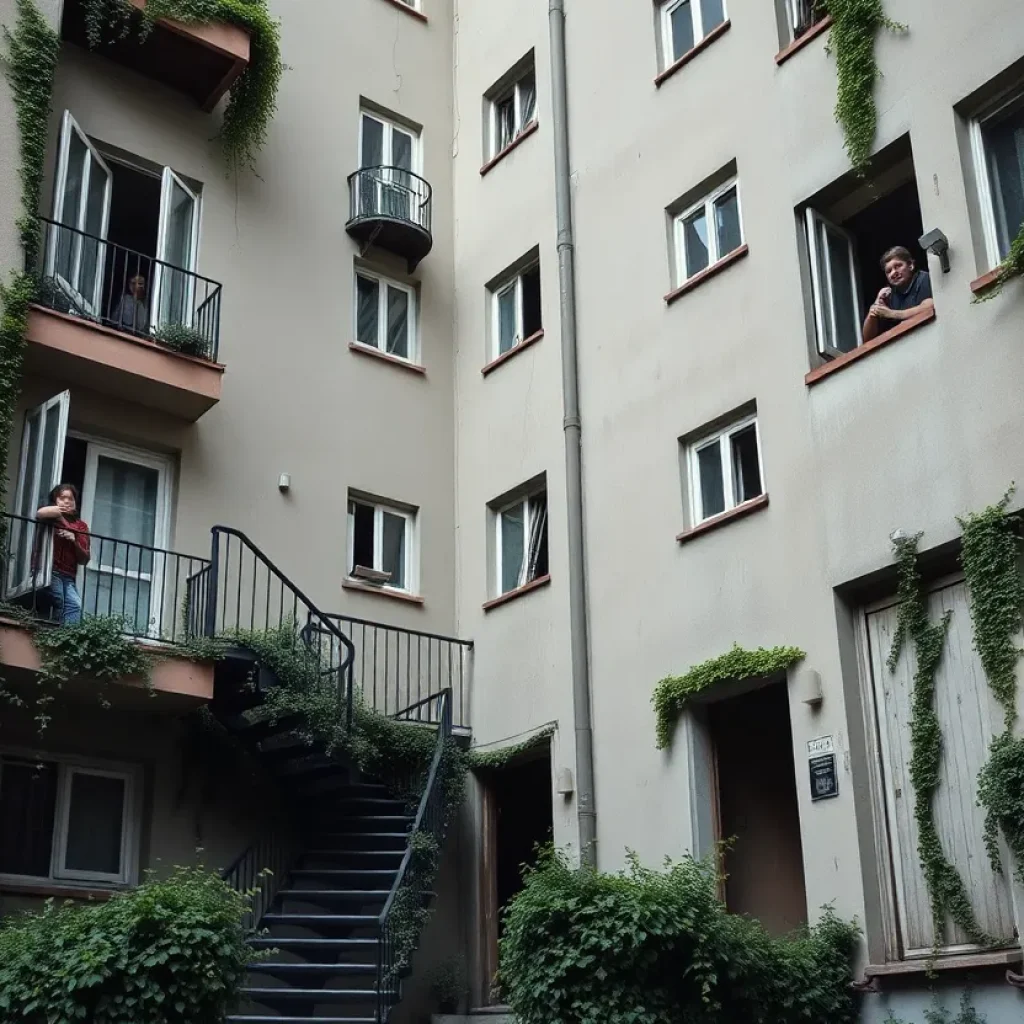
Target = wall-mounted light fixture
(564,784)
(284,482)
(937,244)
(808,687)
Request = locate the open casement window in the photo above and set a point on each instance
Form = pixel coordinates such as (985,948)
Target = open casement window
(125,498)
(66,821)
(386,315)
(835,285)
(684,23)
(725,470)
(81,208)
(39,469)
(998,142)
(517,310)
(522,542)
(389,192)
(380,545)
(176,247)
(968,719)
(512,111)
(708,231)
(803,15)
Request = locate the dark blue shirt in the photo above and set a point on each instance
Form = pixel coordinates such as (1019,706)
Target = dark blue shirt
(919,289)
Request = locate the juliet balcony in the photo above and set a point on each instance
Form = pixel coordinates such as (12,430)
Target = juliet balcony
(392,208)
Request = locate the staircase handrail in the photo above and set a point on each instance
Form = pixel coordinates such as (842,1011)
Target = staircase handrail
(430,815)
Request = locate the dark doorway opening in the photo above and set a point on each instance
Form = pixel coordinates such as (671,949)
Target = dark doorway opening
(133,229)
(757,808)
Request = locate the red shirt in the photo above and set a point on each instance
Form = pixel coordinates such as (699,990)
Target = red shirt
(64,559)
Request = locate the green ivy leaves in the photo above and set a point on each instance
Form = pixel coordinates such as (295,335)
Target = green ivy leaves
(673,693)
(482,760)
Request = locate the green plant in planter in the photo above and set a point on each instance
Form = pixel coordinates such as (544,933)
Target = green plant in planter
(448,984)
(184,339)
(1011,267)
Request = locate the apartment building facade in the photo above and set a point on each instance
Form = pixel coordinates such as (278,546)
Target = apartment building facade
(746,456)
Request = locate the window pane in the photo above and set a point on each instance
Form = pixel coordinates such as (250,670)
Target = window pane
(393,555)
(125,508)
(843,298)
(30,501)
(513,542)
(1004,144)
(712,486)
(695,240)
(527,100)
(398,322)
(531,301)
(28,798)
(681,20)
(71,207)
(361,524)
(505,119)
(538,548)
(746,469)
(95,824)
(367,310)
(727,223)
(506,319)
(401,150)
(712,14)
(372,154)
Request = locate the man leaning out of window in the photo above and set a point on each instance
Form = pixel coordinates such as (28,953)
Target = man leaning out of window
(909,293)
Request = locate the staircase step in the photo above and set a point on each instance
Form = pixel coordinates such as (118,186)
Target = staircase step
(318,945)
(354,860)
(348,842)
(373,823)
(341,895)
(255,729)
(363,805)
(289,971)
(320,920)
(310,995)
(238,1018)
(311,767)
(367,789)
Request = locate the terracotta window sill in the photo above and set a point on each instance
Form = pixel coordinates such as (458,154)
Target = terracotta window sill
(56,891)
(527,588)
(419,15)
(761,501)
(809,36)
(395,595)
(707,273)
(513,351)
(983,283)
(964,962)
(835,365)
(715,33)
(517,141)
(375,353)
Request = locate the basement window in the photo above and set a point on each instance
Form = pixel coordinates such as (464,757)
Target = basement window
(724,469)
(380,544)
(521,541)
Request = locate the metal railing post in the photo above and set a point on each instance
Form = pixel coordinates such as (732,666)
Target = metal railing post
(212,579)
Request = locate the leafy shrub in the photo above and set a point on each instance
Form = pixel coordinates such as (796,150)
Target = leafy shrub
(585,947)
(186,340)
(169,952)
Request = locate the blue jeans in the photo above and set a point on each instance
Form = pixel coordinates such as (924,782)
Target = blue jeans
(67,605)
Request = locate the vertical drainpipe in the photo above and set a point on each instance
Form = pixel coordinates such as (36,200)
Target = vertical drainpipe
(578,627)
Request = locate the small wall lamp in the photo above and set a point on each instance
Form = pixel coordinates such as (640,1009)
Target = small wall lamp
(284,482)
(808,687)
(937,244)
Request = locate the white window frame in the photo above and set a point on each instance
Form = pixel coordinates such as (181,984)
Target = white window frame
(411,543)
(412,324)
(722,438)
(793,16)
(515,92)
(131,818)
(388,140)
(511,283)
(822,287)
(523,502)
(980,156)
(707,203)
(168,180)
(668,48)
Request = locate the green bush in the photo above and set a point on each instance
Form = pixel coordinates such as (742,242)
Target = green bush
(168,952)
(186,340)
(657,947)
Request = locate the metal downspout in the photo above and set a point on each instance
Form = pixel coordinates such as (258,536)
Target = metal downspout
(578,626)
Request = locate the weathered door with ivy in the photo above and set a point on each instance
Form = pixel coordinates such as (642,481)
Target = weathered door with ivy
(968,719)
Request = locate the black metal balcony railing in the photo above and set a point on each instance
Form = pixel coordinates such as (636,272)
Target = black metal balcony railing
(89,277)
(393,208)
(399,668)
(143,585)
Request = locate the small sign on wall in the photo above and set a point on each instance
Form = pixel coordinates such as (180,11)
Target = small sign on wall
(822,764)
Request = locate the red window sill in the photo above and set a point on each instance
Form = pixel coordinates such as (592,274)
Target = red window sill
(983,283)
(834,366)
(513,351)
(707,273)
(715,33)
(419,15)
(739,512)
(809,36)
(395,595)
(375,353)
(516,142)
(512,595)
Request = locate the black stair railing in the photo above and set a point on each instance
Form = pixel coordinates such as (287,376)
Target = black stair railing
(246,592)
(259,871)
(430,820)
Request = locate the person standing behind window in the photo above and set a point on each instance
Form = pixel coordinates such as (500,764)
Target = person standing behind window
(70,550)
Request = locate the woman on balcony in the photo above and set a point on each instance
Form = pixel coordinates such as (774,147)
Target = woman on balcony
(70,550)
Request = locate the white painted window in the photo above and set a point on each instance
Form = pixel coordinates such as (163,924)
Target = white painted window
(684,23)
(708,230)
(389,153)
(803,15)
(835,285)
(381,545)
(725,469)
(521,541)
(516,310)
(513,110)
(968,720)
(386,315)
(68,820)
(176,249)
(998,142)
